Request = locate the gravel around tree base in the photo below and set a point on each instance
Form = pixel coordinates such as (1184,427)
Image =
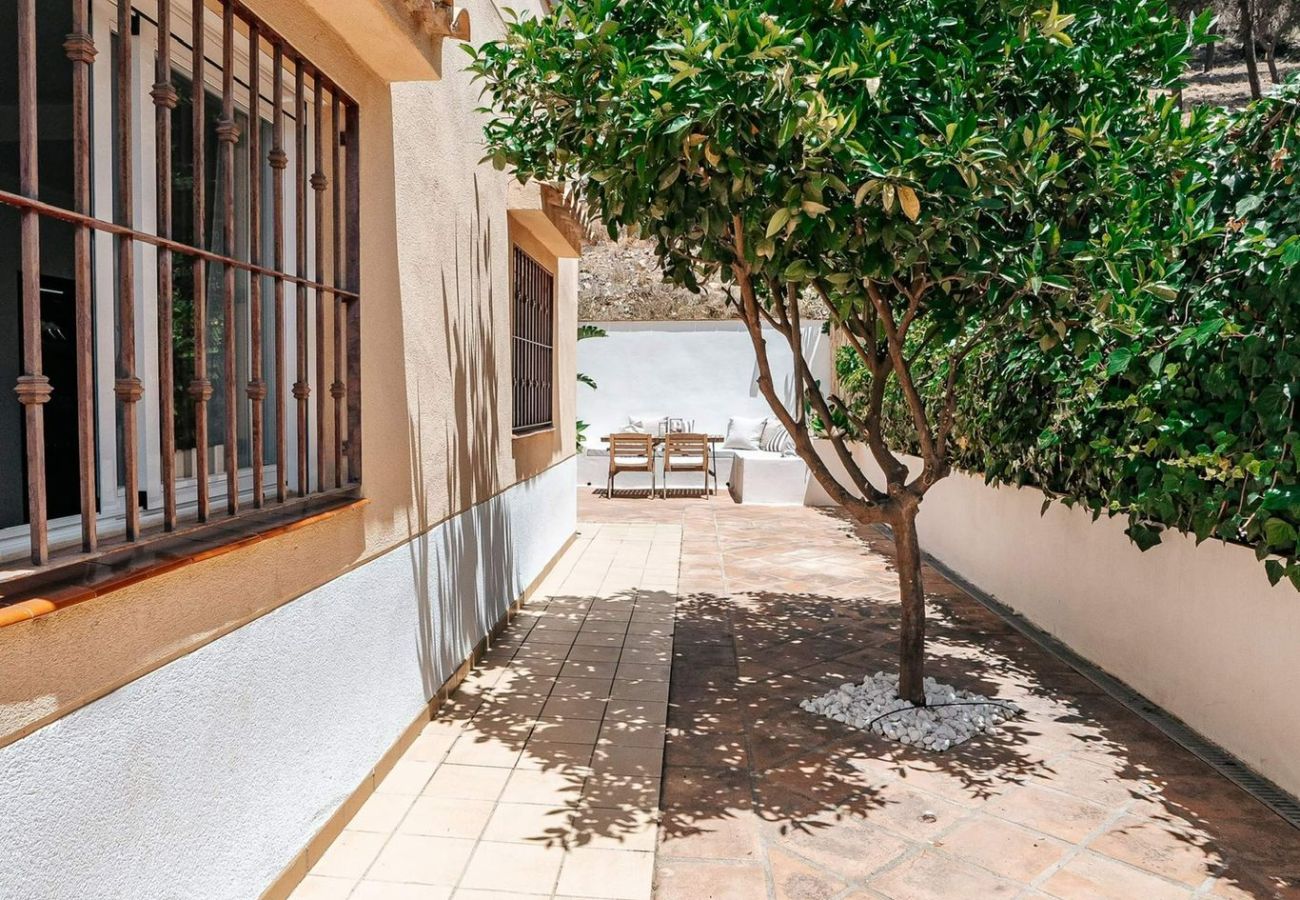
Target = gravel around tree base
(950,716)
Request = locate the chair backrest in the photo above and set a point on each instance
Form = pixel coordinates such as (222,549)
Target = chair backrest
(686,445)
(630,444)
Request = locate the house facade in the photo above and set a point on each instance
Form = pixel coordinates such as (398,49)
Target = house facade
(291,429)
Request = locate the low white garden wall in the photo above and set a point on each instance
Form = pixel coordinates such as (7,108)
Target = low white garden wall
(1196,629)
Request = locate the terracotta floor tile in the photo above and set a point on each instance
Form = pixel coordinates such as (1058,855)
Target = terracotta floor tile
(680,879)
(1060,815)
(1184,854)
(933,876)
(1092,877)
(844,845)
(794,879)
(1009,850)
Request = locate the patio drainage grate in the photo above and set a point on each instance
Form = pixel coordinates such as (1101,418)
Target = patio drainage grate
(1223,762)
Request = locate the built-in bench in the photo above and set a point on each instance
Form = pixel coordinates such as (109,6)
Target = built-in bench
(770,479)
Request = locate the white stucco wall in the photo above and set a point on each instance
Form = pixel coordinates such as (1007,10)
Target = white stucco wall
(693,370)
(1196,629)
(205,777)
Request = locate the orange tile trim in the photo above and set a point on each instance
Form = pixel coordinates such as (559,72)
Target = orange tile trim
(51,600)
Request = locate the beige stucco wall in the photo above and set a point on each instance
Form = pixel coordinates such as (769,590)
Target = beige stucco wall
(436,398)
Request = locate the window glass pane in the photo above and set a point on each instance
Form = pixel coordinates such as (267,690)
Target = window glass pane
(183,202)
(58,308)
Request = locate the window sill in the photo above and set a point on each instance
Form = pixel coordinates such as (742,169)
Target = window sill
(532,432)
(27,593)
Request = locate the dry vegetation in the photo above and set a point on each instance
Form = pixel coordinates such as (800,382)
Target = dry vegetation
(621,281)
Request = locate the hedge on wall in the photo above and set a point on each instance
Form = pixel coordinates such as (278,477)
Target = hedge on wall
(1182,415)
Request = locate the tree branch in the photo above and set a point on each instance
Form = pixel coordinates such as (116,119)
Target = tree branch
(895,347)
(870,509)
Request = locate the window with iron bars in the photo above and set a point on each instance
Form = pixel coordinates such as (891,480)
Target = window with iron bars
(180,321)
(533,290)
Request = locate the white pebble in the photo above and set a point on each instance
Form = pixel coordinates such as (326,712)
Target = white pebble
(950,717)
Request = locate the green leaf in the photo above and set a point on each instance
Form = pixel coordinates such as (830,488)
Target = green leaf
(1275,571)
(1119,361)
(1280,533)
(778,220)
(1247,205)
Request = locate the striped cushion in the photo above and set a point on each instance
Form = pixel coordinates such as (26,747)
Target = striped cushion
(776,439)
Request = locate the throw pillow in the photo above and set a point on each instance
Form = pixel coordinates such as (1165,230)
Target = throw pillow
(744,434)
(776,439)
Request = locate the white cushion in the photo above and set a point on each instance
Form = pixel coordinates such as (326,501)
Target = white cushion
(744,434)
(679,461)
(631,460)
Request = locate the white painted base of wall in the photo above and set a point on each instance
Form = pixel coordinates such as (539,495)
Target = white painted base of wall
(1196,629)
(203,779)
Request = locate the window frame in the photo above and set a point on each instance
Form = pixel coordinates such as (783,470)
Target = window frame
(542,277)
(108,524)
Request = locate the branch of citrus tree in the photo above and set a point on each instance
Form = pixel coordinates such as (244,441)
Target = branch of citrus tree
(867,508)
(914,294)
(895,346)
(869,356)
(796,344)
(807,384)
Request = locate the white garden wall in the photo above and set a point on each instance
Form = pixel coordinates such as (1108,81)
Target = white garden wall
(1196,629)
(693,370)
(205,777)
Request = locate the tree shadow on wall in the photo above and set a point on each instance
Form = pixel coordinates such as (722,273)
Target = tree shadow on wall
(463,567)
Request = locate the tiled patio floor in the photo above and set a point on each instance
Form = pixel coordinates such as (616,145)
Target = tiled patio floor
(1078,799)
(541,779)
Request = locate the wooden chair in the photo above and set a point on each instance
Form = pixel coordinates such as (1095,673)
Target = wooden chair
(630,453)
(687,453)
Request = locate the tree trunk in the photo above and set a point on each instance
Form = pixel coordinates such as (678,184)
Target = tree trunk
(1210,47)
(1270,56)
(1248,47)
(911,644)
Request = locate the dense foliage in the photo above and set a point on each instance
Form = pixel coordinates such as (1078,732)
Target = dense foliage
(1181,411)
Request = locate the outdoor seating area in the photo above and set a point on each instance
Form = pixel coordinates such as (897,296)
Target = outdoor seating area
(661,455)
